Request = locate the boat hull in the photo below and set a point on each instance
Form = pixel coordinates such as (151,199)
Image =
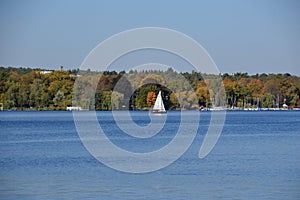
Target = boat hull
(158,112)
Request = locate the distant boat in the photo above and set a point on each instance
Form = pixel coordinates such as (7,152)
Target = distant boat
(159,107)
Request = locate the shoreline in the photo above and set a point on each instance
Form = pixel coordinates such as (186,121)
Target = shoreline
(202,110)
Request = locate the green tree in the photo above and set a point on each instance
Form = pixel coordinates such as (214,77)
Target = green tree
(116,100)
(267,100)
(106,100)
(59,100)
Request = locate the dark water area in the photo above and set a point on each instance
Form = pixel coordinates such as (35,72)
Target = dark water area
(256,157)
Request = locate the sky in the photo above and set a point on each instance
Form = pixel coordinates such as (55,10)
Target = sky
(257,36)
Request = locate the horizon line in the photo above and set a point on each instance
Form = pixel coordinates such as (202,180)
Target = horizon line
(120,70)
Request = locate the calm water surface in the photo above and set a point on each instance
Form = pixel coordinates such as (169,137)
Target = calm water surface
(256,157)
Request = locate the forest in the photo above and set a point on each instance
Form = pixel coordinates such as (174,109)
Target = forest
(37,89)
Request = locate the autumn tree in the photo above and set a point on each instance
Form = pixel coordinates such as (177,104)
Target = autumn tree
(229,90)
(151,97)
(255,87)
(203,96)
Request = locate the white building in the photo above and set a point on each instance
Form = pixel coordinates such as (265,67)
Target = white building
(70,108)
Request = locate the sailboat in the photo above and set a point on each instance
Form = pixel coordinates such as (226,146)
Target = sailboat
(159,107)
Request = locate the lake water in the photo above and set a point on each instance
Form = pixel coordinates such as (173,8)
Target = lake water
(256,157)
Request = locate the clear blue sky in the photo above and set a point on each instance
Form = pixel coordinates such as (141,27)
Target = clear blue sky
(241,36)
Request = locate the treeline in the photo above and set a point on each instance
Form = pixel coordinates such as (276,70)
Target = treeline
(27,89)
(35,89)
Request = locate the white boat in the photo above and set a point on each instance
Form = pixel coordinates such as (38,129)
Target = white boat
(159,107)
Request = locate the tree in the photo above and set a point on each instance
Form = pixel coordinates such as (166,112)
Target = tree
(241,91)
(11,97)
(106,100)
(59,100)
(203,96)
(151,97)
(188,100)
(229,90)
(267,100)
(272,89)
(294,100)
(116,100)
(153,79)
(174,101)
(255,87)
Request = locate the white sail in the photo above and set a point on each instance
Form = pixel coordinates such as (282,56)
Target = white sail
(159,104)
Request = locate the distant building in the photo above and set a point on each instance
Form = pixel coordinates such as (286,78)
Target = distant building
(70,108)
(45,72)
